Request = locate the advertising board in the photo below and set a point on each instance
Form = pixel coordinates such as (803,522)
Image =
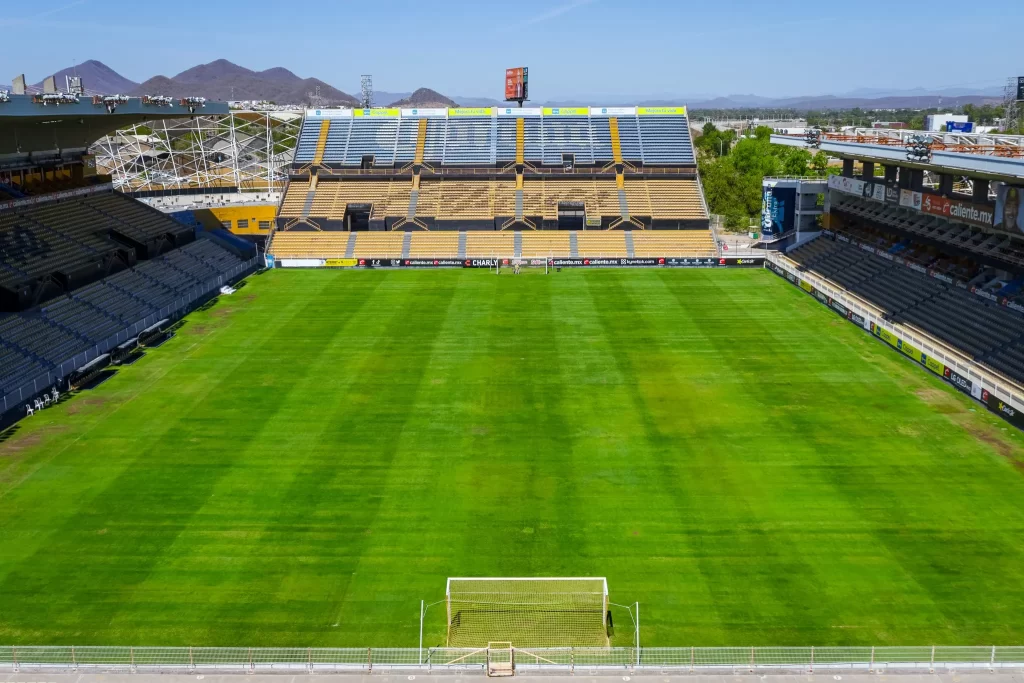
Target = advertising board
(910,199)
(958,210)
(517,84)
(1009,216)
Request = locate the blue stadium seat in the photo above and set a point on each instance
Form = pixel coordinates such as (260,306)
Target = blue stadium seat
(666,140)
(308,137)
(567,135)
(470,140)
(375,137)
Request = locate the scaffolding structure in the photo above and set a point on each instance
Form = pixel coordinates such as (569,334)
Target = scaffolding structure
(243,151)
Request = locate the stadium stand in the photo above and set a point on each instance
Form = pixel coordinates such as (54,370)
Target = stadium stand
(602,244)
(57,246)
(375,244)
(990,333)
(490,170)
(40,340)
(1003,247)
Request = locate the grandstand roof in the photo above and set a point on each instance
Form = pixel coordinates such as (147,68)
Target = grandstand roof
(994,162)
(28,126)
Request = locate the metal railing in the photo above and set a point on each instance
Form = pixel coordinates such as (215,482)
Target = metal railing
(722,660)
(182,304)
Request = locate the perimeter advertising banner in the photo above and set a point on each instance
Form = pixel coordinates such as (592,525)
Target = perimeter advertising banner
(1009,216)
(1003,409)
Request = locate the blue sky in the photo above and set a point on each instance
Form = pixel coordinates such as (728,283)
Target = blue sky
(574,48)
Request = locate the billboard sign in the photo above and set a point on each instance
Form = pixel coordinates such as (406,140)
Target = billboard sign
(385,113)
(846,185)
(1009,215)
(959,127)
(425,112)
(613,111)
(910,200)
(778,205)
(517,84)
(892,194)
(521,112)
(470,111)
(661,111)
(328,113)
(957,210)
(566,111)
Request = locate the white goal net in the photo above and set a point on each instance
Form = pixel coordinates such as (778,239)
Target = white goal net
(528,612)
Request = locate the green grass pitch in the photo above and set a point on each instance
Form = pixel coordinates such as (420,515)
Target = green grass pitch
(310,457)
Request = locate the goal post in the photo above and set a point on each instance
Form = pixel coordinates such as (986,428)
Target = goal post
(529,612)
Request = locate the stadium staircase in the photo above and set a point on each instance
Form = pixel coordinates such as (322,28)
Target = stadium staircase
(350,245)
(310,196)
(574,245)
(462,244)
(630,249)
(321,143)
(421,143)
(517,245)
(406,244)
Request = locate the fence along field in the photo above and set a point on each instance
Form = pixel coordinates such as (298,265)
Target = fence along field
(757,660)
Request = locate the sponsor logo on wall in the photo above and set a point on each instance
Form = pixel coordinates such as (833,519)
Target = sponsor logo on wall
(911,200)
(955,209)
(892,194)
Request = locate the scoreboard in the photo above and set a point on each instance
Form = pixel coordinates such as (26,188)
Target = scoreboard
(517,84)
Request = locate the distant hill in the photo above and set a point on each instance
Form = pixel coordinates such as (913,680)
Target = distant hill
(385,96)
(97,77)
(223,80)
(469,101)
(831,102)
(425,97)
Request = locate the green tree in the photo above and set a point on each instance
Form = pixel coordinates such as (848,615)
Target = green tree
(819,163)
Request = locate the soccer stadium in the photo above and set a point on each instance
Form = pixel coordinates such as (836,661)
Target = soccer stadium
(490,394)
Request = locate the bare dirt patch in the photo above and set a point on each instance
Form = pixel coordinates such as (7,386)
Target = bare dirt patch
(941,400)
(989,436)
(17,444)
(81,402)
(969,420)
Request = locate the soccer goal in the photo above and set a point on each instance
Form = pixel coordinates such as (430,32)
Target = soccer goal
(528,612)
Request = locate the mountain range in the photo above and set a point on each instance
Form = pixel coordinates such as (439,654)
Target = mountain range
(223,80)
